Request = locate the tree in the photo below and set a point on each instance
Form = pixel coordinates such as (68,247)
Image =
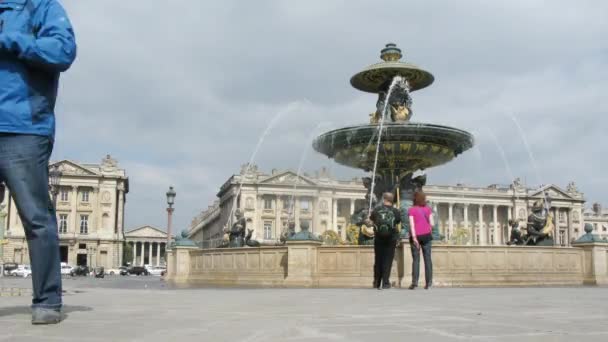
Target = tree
(127,253)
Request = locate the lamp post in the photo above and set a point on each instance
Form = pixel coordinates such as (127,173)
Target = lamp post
(170,201)
(2,219)
(54,179)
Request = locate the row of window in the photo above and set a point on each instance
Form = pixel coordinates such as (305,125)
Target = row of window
(64,195)
(63,224)
(268,230)
(269,204)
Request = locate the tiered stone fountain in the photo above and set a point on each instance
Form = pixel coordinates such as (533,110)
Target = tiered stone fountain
(404,147)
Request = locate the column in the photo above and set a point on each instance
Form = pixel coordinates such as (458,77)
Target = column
(466,223)
(569,232)
(120,207)
(507,235)
(483,233)
(157,254)
(450,220)
(277,218)
(134,251)
(165,248)
(143,252)
(335,215)
(150,253)
(96,215)
(497,230)
(296,209)
(556,227)
(352,206)
(74,212)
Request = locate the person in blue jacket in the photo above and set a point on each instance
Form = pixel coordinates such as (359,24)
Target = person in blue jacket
(36,44)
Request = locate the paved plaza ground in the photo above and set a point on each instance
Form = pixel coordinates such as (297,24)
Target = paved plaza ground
(143,309)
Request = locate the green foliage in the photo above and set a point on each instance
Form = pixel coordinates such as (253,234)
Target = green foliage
(329,237)
(127,253)
(460,236)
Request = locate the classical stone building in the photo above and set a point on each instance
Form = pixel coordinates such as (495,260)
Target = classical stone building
(598,218)
(148,245)
(90,215)
(475,215)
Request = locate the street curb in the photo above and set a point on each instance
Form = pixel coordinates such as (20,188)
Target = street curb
(15,292)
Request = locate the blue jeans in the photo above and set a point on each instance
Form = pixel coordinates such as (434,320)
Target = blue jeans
(24,161)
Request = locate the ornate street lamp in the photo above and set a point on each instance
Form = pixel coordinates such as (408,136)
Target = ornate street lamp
(54,180)
(170,201)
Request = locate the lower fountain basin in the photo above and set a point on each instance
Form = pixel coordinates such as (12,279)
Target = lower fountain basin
(404,147)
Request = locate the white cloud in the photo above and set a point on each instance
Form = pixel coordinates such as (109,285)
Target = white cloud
(180,94)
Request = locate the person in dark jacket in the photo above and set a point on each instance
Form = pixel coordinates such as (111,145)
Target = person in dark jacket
(384,218)
(36,44)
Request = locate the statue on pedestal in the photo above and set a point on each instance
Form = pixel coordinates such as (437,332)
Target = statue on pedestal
(237,232)
(540,225)
(249,242)
(515,237)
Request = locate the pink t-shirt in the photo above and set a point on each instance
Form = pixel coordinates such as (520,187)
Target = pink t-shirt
(422,219)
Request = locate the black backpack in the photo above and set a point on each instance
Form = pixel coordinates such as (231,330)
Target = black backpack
(385,221)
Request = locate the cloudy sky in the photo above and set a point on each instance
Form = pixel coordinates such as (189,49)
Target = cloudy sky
(180,91)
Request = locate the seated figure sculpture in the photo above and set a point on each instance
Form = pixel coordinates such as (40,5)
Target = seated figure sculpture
(250,242)
(399,105)
(516,237)
(237,232)
(539,226)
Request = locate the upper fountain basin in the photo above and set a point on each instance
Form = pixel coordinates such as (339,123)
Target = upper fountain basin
(377,77)
(404,147)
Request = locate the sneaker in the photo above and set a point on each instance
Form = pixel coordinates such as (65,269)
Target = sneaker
(412,287)
(386,286)
(46,316)
(427,286)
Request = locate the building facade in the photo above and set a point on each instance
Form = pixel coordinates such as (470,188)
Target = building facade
(598,218)
(470,215)
(148,245)
(90,216)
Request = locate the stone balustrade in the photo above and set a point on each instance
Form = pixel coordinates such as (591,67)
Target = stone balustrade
(309,264)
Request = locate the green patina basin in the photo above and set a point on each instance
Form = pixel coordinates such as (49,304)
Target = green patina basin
(404,147)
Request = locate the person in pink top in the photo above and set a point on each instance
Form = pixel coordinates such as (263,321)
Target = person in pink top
(421,237)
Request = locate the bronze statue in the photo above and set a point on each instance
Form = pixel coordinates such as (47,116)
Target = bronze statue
(237,232)
(365,234)
(289,230)
(540,225)
(249,242)
(516,237)
(399,105)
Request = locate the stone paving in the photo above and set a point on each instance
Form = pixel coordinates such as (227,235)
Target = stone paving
(104,313)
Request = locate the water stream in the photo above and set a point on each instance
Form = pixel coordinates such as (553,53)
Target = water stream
(277,117)
(394,83)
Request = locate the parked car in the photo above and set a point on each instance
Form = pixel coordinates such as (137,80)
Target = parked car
(123,270)
(80,271)
(156,270)
(8,267)
(22,271)
(113,271)
(138,270)
(66,269)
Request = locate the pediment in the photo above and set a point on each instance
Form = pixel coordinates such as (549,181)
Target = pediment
(288,178)
(553,192)
(146,232)
(71,168)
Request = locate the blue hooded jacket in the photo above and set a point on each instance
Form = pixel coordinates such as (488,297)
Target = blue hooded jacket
(36,44)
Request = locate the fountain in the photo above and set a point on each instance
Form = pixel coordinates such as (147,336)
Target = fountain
(402,147)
